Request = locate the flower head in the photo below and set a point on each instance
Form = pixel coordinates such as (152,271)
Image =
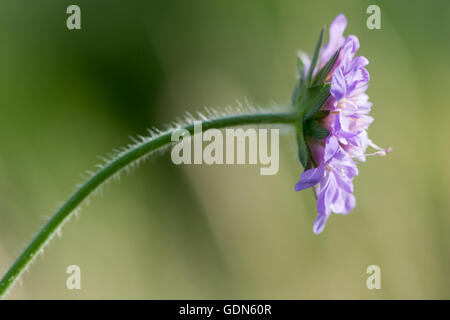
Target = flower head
(346,120)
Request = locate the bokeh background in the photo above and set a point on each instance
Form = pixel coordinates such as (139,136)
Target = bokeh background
(201,232)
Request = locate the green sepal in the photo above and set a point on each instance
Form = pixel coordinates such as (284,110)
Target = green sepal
(309,96)
(323,73)
(299,83)
(315,130)
(315,98)
(309,104)
(321,114)
(303,153)
(315,56)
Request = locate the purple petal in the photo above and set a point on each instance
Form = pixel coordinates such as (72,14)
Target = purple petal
(360,122)
(344,204)
(348,45)
(337,28)
(325,195)
(338,85)
(350,203)
(349,48)
(337,205)
(319,223)
(336,41)
(345,184)
(310,177)
(331,147)
(358,62)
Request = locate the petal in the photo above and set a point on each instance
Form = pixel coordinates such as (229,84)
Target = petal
(337,205)
(337,27)
(344,203)
(357,80)
(355,43)
(319,223)
(357,147)
(326,194)
(338,85)
(349,48)
(360,122)
(350,203)
(359,62)
(345,122)
(310,177)
(344,183)
(331,147)
(336,40)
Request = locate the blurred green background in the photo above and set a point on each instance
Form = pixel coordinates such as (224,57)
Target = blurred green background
(200,232)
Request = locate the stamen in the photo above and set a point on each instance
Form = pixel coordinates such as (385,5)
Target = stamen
(379,153)
(373,145)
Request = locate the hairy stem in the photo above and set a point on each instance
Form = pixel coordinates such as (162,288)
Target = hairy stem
(123,160)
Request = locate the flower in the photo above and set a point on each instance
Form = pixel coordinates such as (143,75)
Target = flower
(347,121)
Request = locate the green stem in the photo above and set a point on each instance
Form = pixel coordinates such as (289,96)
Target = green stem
(114,166)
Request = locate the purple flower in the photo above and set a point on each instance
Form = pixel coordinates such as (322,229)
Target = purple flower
(332,179)
(347,121)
